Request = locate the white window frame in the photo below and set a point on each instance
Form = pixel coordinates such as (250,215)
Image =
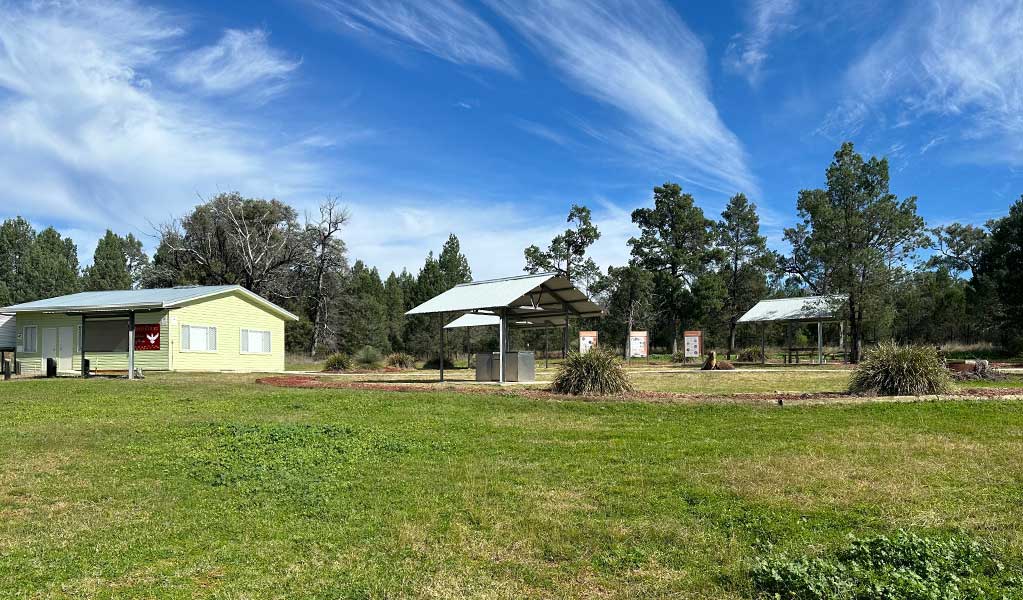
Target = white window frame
(34,338)
(216,336)
(245,331)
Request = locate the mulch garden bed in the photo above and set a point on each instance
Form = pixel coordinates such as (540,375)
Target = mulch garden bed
(305,381)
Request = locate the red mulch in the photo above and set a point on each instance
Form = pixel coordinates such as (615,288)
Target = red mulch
(305,381)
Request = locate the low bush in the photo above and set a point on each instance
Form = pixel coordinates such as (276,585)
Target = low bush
(434,364)
(892,369)
(339,361)
(400,360)
(904,566)
(368,357)
(750,354)
(598,373)
(681,358)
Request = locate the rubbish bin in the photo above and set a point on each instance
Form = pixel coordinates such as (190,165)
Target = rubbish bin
(483,367)
(51,367)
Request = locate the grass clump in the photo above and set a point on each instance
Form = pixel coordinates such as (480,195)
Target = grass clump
(368,357)
(892,369)
(904,566)
(681,358)
(400,360)
(750,354)
(598,373)
(339,361)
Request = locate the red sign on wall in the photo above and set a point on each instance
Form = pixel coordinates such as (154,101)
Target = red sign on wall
(147,337)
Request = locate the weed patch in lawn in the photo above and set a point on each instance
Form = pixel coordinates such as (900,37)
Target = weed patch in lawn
(297,462)
(903,566)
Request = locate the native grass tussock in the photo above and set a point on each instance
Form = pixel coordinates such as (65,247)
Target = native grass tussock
(596,373)
(892,369)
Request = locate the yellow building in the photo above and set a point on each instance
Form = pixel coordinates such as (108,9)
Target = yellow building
(192,328)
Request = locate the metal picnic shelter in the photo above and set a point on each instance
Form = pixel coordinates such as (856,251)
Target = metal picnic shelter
(526,301)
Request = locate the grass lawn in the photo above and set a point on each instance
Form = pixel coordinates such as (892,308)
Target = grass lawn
(200,485)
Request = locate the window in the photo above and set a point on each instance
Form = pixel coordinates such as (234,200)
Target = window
(31,339)
(79,339)
(195,338)
(255,341)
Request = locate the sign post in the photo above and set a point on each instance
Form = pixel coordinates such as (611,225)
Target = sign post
(639,344)
(587,340)
(693,344)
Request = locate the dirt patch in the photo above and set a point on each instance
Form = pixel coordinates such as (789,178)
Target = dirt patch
(305,381)
(368,371)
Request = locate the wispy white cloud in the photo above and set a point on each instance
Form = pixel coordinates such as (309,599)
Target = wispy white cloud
(943,61)
(541,131)
(641,58)
(90,141)
(239,60)
(493,243)
(748,51)
(446,29)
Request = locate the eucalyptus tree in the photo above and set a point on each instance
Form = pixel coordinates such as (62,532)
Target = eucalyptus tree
(675,244)
(625,293)
(566,254)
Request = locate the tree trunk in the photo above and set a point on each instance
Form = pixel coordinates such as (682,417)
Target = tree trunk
(674,336)
(856,331)
(628,335)
(731,338)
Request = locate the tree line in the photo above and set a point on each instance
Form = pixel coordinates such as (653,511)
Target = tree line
(686,270)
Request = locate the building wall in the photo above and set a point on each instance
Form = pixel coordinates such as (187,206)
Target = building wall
(153,360)
(8,333)
(230,314)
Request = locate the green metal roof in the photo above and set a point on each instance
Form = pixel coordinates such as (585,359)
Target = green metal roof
(147,299)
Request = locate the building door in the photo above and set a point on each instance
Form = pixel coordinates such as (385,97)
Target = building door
(49,347)
(66,348)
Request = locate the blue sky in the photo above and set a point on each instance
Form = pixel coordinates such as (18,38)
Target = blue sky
(490,119)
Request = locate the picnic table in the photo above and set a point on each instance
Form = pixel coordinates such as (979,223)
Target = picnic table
(794,354)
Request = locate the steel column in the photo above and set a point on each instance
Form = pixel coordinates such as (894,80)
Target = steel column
(131,345)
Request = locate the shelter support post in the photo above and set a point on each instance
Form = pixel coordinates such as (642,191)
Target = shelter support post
(820,343)
(763,344)
(502,334)
(131,345)
(441,363)
(81,344)
(564,334)
(546,346)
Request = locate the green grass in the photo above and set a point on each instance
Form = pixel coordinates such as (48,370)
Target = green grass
(188,486)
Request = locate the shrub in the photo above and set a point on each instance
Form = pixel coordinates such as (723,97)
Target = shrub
(901,566)
(750,354)
(598,372)
(339,361)
(434,364)
(368,356)
(400,360)
(895,370)
(681,358)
